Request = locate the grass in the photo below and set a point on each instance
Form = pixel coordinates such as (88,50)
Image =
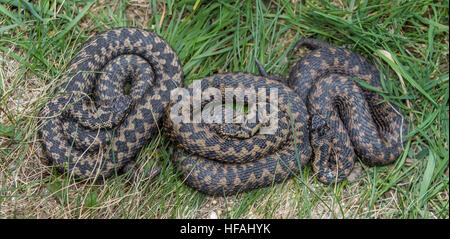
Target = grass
(407,40)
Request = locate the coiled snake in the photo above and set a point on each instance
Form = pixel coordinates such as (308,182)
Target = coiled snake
(219,163)
(95,138)
(344,120)
(95,127)
(347,120)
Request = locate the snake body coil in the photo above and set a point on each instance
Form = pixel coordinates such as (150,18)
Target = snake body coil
(220,165)
(347,120)
(93,138)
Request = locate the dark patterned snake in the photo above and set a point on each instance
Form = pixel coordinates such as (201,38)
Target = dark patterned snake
(96,125)
(92,129)
(347,120)
(344,120)
(219,164)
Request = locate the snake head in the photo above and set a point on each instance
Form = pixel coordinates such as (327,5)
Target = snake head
(244,130)
(319,130)
(318,125)
(229,130)
(110,115)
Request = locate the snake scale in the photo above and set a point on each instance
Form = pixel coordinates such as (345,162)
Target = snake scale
(95,126)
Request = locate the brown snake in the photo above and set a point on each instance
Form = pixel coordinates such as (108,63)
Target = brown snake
(94,128)
(347,119)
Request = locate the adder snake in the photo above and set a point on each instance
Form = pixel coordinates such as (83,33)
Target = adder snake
(95,138)
(94,127)
(347,119)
